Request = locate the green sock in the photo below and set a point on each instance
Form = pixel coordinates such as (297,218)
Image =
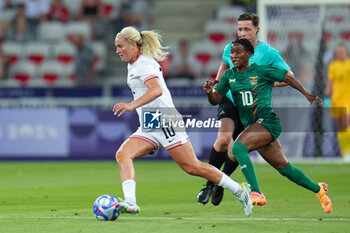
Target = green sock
(299,177)
(240,151)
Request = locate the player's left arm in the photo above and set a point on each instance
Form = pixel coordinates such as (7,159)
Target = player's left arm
(291,81)
(154,91)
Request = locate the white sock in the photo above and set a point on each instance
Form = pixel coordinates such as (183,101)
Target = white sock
(231,185)
(129,190)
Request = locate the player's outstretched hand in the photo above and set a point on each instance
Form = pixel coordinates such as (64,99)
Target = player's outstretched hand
(312,98)
(120,108)
(208,86)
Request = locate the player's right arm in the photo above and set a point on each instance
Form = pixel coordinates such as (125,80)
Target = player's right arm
(153,92)
(216,94)
(214,97)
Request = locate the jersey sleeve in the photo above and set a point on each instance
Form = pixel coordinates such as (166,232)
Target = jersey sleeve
(147,71)
(273,74)
(226,55)
(276,60)
(223,86)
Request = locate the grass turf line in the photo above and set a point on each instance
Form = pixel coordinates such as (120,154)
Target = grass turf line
(58,197)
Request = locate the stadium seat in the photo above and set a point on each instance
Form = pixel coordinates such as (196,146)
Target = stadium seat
(36,52)
(23,72)
(51,32)
(337,14)
(218,32)
(332,31)
(229,14)
(69,74)
(77,27)
(204,52)
(99,49)
(64,53)
(51,72)
(111,8)
(73,6)
(344,31)
(13,51)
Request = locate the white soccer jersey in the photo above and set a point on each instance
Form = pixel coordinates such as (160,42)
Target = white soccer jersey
(139,72)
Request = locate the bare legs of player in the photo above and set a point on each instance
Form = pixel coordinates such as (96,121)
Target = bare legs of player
(183,155)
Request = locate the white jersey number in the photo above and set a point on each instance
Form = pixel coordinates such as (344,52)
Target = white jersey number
(247,98)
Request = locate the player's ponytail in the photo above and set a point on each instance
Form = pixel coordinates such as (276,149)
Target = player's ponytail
(149,42)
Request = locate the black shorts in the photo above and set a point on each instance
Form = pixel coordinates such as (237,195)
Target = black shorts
(228,110)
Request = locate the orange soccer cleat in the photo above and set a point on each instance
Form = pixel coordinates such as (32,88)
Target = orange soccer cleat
(324,199)
(258,198)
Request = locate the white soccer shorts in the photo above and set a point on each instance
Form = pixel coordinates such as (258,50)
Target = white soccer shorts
(166,137)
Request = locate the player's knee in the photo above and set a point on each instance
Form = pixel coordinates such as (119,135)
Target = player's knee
(190,169)
(121,157)
(118,156)
(280,167)
(222,142)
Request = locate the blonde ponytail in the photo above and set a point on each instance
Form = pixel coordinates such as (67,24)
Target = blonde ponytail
(149,42)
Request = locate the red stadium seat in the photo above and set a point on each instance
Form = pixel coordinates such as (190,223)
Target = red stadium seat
(272,37)
(77,27)
(23,72)
(327,36)
(218,32)
(51,72)
(64,53)
(37,53)
(13,51)
(299,34)
(345,35)
(111,8)
(204,52)
(229,14)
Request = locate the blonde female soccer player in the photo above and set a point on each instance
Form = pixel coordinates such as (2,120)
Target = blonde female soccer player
(142,50)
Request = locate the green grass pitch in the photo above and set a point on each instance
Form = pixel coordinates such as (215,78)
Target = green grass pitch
(58,197)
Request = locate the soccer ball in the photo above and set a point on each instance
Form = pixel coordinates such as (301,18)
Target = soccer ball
(105,208)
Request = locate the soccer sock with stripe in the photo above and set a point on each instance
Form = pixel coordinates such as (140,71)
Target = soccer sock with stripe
(299,177)
(240,151)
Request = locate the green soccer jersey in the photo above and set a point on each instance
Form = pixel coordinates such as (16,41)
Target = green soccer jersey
(264,54)
(251,90)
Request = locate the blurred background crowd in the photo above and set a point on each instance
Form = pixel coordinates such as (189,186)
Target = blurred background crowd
(61,53)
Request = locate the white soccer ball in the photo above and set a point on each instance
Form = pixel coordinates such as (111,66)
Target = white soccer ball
(105,208)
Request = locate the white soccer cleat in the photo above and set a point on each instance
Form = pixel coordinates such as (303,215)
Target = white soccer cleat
(127,207)
(244,199)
